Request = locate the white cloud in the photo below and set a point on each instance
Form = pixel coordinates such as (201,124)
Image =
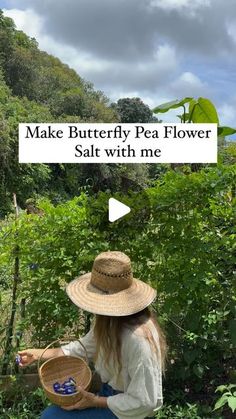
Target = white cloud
(166,59)
(190,79)
(26,20)
(32,24)
(188,84)
(106,74)
(227,114)
(191,5)
(232,30)
(135,79)
(157,71)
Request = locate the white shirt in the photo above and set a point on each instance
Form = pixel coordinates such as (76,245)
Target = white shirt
(140,379)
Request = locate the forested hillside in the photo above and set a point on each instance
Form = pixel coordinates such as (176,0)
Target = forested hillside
(37,87)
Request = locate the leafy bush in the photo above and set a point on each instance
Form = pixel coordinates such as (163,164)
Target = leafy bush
(22,404)
(228,397)
(185,250)
(188,411)
(30,406)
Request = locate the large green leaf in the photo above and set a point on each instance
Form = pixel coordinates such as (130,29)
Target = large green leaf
(224,131)
(165,107)
(202,111)
(198,370)
(221,402)
(192,105)
(232,403)
(221,388)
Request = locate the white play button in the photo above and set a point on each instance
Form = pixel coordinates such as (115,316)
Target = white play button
(117,210)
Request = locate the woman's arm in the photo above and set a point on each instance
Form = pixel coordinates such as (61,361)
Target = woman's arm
(75,348)
(29,356)
(88,400)
(143,394)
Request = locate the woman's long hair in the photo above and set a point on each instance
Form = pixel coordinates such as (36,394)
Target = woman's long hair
(108,334)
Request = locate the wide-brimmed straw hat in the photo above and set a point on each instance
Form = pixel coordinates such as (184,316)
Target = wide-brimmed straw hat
(110,288)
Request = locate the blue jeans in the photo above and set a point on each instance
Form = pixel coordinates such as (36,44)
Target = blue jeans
(56,412)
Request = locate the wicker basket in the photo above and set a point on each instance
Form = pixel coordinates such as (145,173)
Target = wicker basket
(60,369)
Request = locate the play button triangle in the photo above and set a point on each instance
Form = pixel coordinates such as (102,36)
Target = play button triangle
(117,210)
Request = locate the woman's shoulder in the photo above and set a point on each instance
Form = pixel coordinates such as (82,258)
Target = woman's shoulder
(138,337)
(141,330)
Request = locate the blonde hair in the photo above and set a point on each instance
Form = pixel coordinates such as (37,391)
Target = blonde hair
(108,334)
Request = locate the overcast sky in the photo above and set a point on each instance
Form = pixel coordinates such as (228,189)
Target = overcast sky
(158,50)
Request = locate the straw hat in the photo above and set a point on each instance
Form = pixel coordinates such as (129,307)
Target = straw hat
(110,288)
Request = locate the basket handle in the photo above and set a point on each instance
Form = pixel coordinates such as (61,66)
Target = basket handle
(61,341)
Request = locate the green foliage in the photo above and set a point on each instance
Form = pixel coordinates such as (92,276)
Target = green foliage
(194,275)
(83,105)
(61,240)
(71,102)
(200,110)
(7,29)
(228,397)
(165,107)
(25,180)
(21,72)
(18,403)
(133,110)
(41,77)
(224,131)
(29,405)
(36,87)
(185,250)
(227,154)
(188,411)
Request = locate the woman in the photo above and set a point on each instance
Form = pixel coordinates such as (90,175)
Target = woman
(125,342)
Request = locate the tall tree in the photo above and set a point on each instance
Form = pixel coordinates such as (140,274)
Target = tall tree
(133,110)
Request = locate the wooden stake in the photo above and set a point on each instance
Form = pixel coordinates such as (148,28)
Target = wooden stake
(16,279)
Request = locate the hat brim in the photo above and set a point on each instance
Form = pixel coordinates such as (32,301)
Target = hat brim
(122,303)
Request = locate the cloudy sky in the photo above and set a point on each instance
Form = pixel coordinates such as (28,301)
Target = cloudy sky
(158,50)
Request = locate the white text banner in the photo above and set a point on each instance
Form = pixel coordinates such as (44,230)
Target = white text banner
(118,143)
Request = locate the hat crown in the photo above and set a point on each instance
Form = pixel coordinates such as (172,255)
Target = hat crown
(112,272)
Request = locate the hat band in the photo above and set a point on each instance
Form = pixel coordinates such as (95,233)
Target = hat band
(111,282)
(127,273)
